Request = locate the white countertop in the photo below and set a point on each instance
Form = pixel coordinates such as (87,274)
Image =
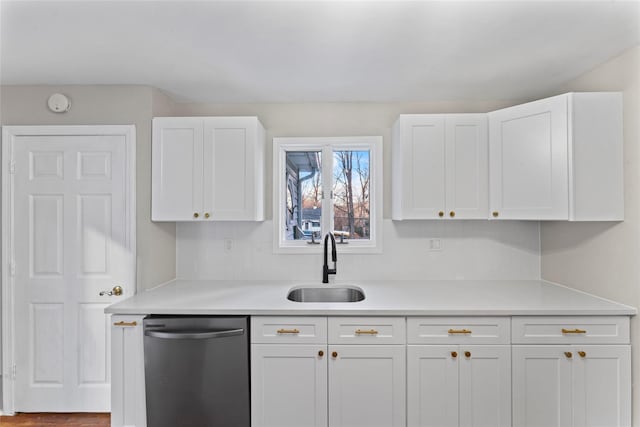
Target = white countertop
(383,298)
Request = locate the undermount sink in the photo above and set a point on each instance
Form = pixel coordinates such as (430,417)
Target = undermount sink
(326,294)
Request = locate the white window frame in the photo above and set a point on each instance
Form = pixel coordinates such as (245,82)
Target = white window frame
(327,145)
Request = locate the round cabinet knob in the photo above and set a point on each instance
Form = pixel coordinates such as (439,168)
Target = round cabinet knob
(321,353)
(334,354)
(582,354)
(441,214)
(495,214)
(196,214)
(206,215)
(452,214)
(454,354)
(568,354)
(467,354)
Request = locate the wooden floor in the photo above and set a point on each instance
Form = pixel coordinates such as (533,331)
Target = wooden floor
(62,420)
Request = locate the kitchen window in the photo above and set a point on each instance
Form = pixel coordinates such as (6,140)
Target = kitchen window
(327,184)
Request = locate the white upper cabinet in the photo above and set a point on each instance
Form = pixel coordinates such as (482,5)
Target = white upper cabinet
(558,158)
(439,166)
(207,168)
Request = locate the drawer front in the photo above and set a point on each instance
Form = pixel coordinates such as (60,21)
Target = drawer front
(458,330)
(367,330)
(301,330)
(571,330)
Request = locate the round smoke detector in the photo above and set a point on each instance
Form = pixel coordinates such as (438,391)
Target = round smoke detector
(59,103)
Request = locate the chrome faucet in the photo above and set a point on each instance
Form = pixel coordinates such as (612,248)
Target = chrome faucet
(326,271)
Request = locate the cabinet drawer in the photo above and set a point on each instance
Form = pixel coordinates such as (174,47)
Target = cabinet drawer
(458,330)
(367,330)
(302,330)
(571,330)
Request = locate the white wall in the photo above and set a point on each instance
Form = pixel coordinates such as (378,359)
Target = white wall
(471,249)
(604,258)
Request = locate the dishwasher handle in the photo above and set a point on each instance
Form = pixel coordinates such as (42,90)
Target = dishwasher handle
(192,335)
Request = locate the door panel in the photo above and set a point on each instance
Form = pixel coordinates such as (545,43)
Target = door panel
(485,386)
(288,385)
(71,240)
(367,386)
(541,387)
(423,145)
(529,176)
(177,157)
(467,166)
(432,386)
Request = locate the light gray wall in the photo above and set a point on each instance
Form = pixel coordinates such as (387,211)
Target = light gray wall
(101,105)
(604,258)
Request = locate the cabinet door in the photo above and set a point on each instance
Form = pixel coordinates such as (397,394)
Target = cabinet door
(367,386)
(232,168)
(176,163)
(467,154)
(419,167)
(128,404)
(528,152)
(485,386)
(602,385)
(432,386)
(288,385)
(541,386)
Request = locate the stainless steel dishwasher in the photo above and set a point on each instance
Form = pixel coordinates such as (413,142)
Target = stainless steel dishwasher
(197,371)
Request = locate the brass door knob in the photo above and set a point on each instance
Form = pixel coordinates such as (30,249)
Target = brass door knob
(454,354)
(321,353)
(196,214)
(582,354)
(495,214)
(467,354)
(452,214)
(441,214)
(206,215)
(568,354)
(334,354)
(117,291)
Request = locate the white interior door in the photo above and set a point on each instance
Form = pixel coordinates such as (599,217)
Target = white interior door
(71,236)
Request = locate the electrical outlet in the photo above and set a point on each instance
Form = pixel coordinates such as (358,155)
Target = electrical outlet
(435,245)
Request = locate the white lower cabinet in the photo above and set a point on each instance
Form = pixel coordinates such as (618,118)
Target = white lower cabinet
(535,371)
(571,371)
(367,385)
(451,386)
(289,385)
(128,404)
(328,383)
(458,372)
(572,386)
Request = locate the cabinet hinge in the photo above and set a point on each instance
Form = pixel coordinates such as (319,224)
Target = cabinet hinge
(12,167)
(14,369)
(12,268)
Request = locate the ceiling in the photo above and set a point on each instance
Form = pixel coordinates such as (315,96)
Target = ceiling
(314,51)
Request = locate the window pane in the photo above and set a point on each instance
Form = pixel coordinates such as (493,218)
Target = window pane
(304,195)
(351,215)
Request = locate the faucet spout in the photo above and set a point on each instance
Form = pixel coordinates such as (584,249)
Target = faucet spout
(326,271)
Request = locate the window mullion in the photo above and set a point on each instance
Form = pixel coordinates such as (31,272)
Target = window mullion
(327,185)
